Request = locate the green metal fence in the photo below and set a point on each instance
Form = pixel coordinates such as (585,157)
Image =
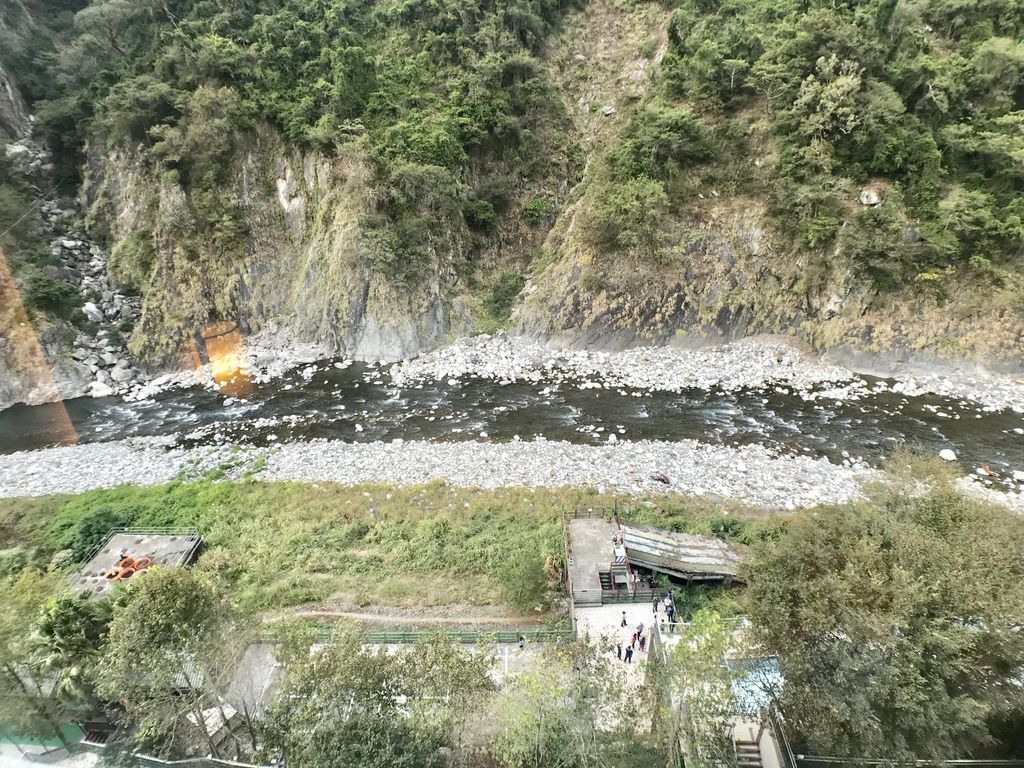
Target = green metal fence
(405,637)
(477,636)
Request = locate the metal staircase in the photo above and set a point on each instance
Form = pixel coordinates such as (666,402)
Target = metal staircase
(748,754)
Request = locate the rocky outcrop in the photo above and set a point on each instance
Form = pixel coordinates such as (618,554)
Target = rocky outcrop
(725,275)
(14,114)
(43,358)
(306,266)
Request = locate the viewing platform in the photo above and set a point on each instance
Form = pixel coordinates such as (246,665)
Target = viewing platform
(604,553)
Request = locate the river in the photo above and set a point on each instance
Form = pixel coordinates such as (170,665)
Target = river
(360,404)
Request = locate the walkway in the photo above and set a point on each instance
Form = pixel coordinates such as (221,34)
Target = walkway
(590,542)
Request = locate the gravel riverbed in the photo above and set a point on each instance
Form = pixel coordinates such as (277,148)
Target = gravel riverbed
(754,363)
(750,474)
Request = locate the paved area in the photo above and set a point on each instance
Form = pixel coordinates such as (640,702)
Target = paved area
(602,625)
(11,756)
(590,540)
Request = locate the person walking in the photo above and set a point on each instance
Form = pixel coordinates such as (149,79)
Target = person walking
(632,640)
(618,650)
(623,619)
(655,605)
(643,644)
(629,655)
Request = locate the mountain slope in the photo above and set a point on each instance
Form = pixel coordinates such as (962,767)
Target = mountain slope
(377,179)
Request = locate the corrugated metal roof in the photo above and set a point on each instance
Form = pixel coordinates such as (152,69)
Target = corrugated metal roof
(684,554)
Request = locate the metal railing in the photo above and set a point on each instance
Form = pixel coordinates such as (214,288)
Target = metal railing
(624,595)
(468,636)
(152,531)
(778,729)
(147,761)
(806,761)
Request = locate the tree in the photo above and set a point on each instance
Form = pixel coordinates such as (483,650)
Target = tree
(370,740)
(896,622)
(572,712)
(346,703)
(173,648)
(25,705)
(67,642)
(701,689)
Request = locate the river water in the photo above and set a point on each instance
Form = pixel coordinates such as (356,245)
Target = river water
(360,404)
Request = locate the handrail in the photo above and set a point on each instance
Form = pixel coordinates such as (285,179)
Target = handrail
(410,636)
(960,763)
(781,741)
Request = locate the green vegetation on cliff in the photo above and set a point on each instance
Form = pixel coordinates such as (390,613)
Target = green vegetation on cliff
(448,97)
(918,104)
(874,151)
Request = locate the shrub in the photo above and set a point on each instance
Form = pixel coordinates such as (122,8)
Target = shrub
(45,294)
(628,215)
(873,242)
(12,561)
(480,215)
(538,212)
(503,294)
(523,581)
(660,140)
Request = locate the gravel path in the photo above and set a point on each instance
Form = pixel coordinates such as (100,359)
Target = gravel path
(751,474)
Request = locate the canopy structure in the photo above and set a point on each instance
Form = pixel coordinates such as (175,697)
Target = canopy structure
(602,553)
(682,555)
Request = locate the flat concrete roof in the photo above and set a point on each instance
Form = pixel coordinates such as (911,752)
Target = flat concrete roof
(592,548)
(164,549)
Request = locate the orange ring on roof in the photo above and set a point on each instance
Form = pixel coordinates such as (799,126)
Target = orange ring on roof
(142,563)
(127,573)
(126,562)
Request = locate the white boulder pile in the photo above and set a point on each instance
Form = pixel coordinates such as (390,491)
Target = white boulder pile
(752,363)
(84,265)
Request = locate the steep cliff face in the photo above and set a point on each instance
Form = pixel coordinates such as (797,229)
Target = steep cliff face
(726,275)
(303,266)
(721,269)
(35,362)
(14,120)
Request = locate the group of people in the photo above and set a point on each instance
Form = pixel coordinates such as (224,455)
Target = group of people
(638,639)
(665,605)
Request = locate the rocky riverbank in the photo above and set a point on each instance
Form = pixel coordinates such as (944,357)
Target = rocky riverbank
(100,364)
(754,363)
(750,474)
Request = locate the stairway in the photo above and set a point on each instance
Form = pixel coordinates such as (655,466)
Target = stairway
(606,580)
(748,755)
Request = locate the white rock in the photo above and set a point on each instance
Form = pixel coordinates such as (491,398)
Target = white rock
(947,454)
(869,196)
(93,312)
(99,389)
(122,375)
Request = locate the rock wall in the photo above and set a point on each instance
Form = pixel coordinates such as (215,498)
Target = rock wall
(44,358)
(725,276)
(14,114)
(305,273)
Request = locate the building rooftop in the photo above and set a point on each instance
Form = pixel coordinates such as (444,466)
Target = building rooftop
(112,562)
